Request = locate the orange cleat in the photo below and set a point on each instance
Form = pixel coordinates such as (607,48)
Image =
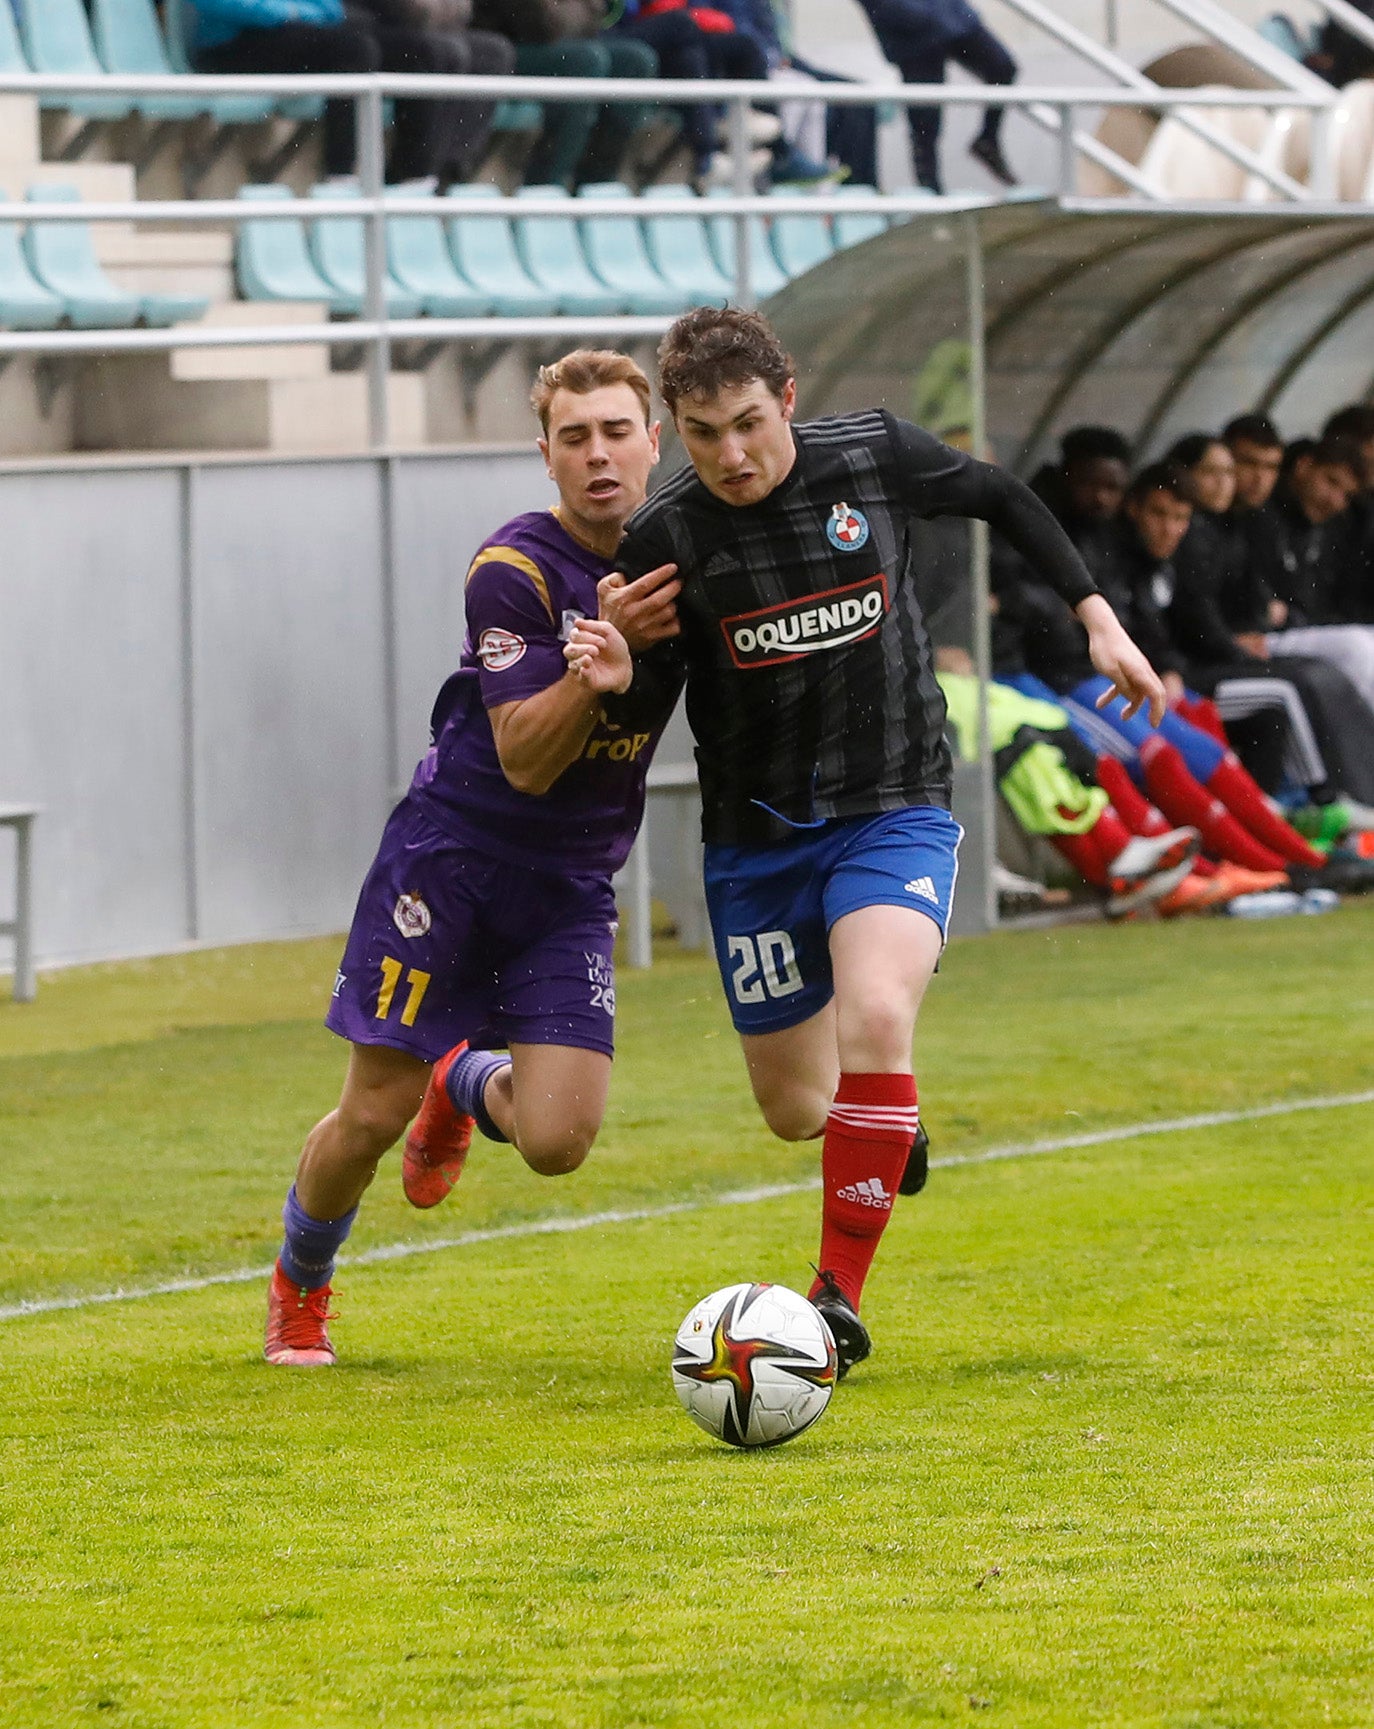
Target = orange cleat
(297,1334)
(1198,894)
(438,1142)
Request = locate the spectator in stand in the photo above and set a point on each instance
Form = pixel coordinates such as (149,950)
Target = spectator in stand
(1192,777)
(1340,55)
(702,42)
(1295,549)
(267,36)
(920,37)
(1289,716)
(463,127)
(799,155)
(1355,598)
(577,141)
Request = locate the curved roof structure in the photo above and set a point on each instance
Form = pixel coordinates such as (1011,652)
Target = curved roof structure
(1156,321)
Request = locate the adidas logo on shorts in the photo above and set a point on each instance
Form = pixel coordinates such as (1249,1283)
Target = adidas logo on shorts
(868,1193)
(924,887)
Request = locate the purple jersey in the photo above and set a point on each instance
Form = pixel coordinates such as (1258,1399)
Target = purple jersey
(526,587)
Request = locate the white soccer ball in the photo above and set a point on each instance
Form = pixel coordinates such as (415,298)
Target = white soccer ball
(754,1365)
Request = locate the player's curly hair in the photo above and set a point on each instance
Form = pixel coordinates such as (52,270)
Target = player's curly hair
(712,348)
(586,370)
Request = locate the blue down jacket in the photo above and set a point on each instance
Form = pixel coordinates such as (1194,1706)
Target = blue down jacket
(219,21)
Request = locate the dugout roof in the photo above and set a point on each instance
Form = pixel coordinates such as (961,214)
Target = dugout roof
(1157,321)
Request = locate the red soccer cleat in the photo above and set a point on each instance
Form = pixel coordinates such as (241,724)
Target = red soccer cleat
(438,1142)
(297,1334)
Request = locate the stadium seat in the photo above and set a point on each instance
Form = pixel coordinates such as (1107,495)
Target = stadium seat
(24,302)
(614,246)
(11,48)
(766,275)
(272,259)
(551,253)
(517,117)
(1281,32)
(681,253)
(853,230)
(128,39)
(57,38)
(418,259)
(338,246)
(62,257)
(800,242)
(483,249)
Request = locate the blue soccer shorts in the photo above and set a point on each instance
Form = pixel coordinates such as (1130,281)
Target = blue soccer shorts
(772,907)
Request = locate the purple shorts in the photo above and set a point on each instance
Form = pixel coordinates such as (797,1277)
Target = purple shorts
(449,945)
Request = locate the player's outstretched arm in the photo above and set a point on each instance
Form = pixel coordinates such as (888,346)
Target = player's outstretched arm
(1116,657)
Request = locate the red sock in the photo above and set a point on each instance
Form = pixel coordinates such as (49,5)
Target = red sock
(868,1136)
(1091,854)
(1203,713)
(1185,802)
(1129,803)
(1082,852)
(1242,797)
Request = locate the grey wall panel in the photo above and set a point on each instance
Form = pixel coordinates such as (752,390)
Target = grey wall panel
(443,509)
(289,694)
(91,704)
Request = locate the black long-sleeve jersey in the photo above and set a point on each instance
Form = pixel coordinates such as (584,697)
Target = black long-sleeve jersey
(810,688)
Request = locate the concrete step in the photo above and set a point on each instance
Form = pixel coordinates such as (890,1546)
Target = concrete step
(19,140)
(124,404)
(306,360)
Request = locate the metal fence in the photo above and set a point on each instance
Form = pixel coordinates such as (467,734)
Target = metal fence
(1058,108)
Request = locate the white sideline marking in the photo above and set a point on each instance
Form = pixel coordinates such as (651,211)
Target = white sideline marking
(735,1198)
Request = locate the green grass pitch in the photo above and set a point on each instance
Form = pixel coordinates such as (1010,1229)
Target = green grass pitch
(1109,1465)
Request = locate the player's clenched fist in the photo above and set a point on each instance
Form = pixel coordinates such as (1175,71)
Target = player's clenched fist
(600,656)
(643,611)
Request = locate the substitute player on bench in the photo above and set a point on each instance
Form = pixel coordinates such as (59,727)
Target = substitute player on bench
(487,915)
(830,856)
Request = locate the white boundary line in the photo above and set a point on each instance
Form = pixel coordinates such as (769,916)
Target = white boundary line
(568,1224)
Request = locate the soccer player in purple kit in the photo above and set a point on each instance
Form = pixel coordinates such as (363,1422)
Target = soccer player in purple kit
(825,775)
(487,917)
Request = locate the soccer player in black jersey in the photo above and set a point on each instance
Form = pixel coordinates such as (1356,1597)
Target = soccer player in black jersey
(825,776)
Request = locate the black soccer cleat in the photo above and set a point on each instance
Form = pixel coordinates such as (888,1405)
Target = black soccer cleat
(852,1343)
(917,1164)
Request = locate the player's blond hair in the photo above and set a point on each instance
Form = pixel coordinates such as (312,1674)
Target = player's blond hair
(586,370)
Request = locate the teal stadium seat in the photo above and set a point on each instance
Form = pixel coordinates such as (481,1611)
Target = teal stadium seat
(272,260)
(517,117)
(338,246)
(11,48)
(552,254)
(614,247)
(70,268)
(57,38)
(1280,30)
(483,249)
(681,252)
(24,302)
(766,275)
(800,242)
(61,256)
(128,38)
(863,225)
(419,260)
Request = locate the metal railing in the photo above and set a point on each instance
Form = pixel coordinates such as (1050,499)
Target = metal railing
(1057,107)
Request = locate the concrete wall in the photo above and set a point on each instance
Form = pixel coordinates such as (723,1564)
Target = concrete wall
(216,677)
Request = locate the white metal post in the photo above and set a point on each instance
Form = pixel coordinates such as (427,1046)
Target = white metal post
(371,161)
(743,186)
(979,561)
(1068,156)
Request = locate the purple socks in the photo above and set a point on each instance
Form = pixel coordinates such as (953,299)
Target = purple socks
(467,1081)
(307,1256)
